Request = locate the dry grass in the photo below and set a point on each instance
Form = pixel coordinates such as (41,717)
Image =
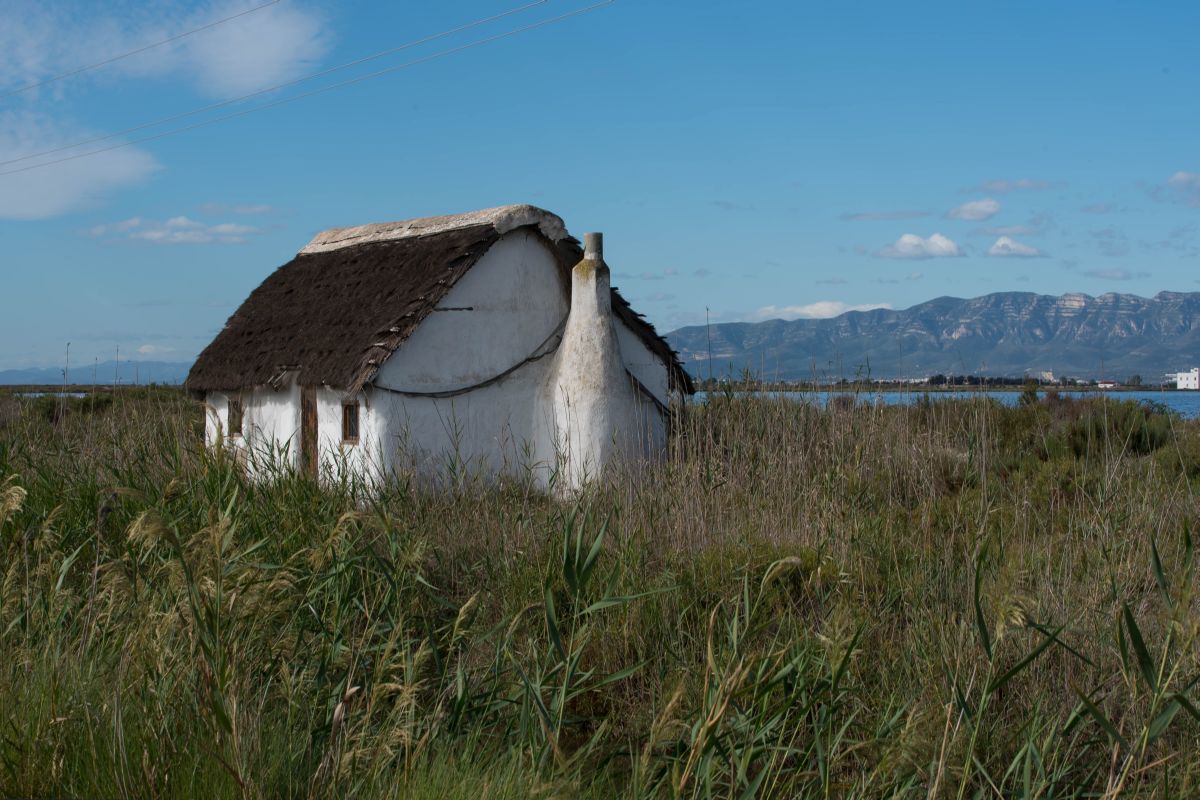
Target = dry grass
(947,600)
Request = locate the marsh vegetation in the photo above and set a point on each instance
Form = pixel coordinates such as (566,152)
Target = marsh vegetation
(952,599)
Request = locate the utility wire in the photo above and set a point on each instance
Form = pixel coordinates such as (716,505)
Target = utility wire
(441,54)
(143,49)
(539,352)
(222,104)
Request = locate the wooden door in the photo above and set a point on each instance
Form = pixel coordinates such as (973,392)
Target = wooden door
(308,430)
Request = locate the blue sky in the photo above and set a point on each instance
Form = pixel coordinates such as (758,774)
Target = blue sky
(753,159)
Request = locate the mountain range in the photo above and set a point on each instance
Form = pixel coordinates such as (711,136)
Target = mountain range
(1001,334)
(106,372)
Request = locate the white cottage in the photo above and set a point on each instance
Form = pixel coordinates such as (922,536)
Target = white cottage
(486,342)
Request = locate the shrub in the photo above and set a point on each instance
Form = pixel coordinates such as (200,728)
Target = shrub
(1118,426)
(54,408)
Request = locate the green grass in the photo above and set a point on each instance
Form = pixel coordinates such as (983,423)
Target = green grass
(949,600)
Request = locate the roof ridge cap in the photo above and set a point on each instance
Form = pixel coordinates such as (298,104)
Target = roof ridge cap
(501,218)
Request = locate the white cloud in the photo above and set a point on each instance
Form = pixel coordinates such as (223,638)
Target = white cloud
(27,44)
(155,349)
(1007,247)
(1115,274)
(232,229)
(41,40)
(975,210)
(248,209)
(59,188)
(269,46)
(1006,230)
(912,246)
(877,216)
(1186,187)
(123,226)
(1002,186)
(176,230)
(822,309)
(666,274)
(1112,242)
(1185,180)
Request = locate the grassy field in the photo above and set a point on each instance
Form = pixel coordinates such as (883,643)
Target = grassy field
(947,600)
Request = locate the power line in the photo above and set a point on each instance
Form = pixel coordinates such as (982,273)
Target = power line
(143,49)
(259,92)
(323,89)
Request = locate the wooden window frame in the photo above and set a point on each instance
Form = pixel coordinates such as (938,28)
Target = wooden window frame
(235,411)
(351,418)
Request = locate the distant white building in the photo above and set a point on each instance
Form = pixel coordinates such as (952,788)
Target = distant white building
(1188,380)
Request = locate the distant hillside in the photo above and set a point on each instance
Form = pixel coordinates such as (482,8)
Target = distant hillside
(125,372)
(1007,333)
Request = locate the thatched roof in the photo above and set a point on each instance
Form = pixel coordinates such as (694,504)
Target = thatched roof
(333,314)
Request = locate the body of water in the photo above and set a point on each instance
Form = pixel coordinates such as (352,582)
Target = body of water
(1186,404)
(52,394)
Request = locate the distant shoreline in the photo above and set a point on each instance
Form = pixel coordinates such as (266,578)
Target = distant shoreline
(76,388)
(920,388)
(916,388)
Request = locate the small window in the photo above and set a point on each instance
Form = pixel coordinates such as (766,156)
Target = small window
(235,416)
(350,423)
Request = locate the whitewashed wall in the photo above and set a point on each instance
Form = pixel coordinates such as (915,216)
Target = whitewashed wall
(216,416)
(270,424)
(518,302)
(652,373)
(645,366)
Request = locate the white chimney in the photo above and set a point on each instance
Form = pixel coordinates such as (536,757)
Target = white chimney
(595,407)
(593,246)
